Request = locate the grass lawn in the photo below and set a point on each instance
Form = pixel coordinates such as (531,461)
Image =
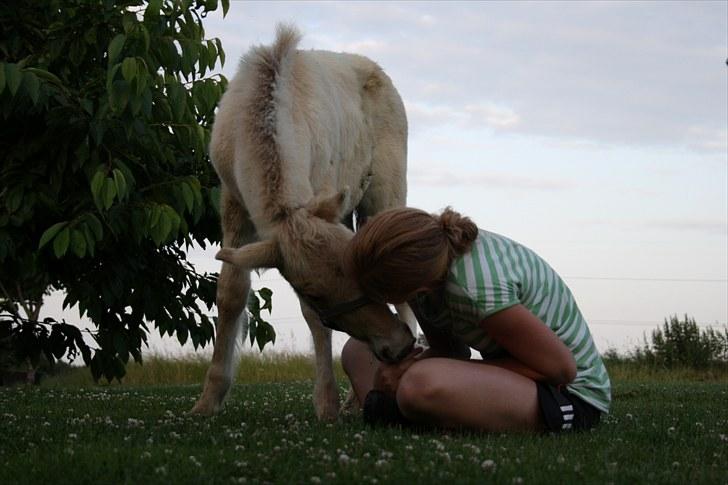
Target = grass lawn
(661,430)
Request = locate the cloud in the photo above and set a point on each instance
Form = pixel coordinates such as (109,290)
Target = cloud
(492,115)
(702,138)
(434,177)
(612,73)
(711,226)
(484,114)
(683,225)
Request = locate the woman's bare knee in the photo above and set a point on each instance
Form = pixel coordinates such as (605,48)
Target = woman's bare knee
(418,389)
(352,354)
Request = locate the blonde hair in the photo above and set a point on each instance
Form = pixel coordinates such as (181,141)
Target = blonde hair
(401,251)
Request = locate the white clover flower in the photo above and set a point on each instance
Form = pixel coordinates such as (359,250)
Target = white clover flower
(315,480)
(488,465)
(134,423)
(344,459)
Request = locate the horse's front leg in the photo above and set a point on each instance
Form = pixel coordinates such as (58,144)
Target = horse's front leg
(325,392)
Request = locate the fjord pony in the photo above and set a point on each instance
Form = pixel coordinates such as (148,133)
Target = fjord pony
(301,141)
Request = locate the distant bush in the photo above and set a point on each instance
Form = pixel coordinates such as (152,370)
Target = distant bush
(681,343)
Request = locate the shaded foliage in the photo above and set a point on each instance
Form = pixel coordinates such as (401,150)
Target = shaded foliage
(682,343)
(105,183)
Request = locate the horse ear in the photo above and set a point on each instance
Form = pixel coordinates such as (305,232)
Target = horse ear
(331,208)
(262,254)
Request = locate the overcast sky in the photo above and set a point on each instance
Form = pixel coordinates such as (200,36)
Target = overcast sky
(594,133)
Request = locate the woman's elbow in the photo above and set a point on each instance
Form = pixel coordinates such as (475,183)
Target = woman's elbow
(567,370)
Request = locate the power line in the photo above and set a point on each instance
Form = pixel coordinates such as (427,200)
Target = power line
(599,322)
(646,323)
(599,278)
(681,280)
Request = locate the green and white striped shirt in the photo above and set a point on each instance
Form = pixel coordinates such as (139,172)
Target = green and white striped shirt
(498,273)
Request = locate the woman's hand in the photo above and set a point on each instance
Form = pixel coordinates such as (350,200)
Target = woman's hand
(387,376)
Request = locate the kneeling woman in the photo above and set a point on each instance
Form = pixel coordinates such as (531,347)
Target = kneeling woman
(471,288)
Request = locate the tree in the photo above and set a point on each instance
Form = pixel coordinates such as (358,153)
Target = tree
(106,108)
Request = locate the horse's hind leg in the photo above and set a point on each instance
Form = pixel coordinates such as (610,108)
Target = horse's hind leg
(325,392)
(233,287)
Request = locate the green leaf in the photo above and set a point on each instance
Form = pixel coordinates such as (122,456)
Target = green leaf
(119,96)
(108,193)
(50,233)
(32,86)
(265,333)
(211,56)
(14,199)
(145,36)
(115,46)
(110,76)
(129,68)
(156,214)
(2,78)
(225,7)
(202,59)
(267,296)
(97,183)
(90,240)
(220,52)
(120,183)
(95,225)
(120,343)
(165,225)
(215,199)
(78,243)
(60,243)
(152,10)
(128,21)
(45,75)
(13,77)
(182,334)
(188,196)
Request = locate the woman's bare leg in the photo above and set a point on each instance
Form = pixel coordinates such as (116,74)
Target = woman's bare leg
(452,393)
(360,365)
(468,394)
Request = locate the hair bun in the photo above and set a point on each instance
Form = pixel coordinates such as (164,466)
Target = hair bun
(459,230)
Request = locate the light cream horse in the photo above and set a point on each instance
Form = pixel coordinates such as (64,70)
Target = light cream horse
(301,140)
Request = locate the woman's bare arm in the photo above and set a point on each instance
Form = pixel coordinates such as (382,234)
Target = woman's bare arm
(535,349)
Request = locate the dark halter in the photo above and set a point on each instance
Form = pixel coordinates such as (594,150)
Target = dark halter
(328,316)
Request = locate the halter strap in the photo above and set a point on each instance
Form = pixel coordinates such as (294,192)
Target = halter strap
(329,315)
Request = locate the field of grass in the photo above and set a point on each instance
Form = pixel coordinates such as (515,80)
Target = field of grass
(664,428)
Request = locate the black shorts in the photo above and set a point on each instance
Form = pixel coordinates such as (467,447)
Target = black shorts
(563,411)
